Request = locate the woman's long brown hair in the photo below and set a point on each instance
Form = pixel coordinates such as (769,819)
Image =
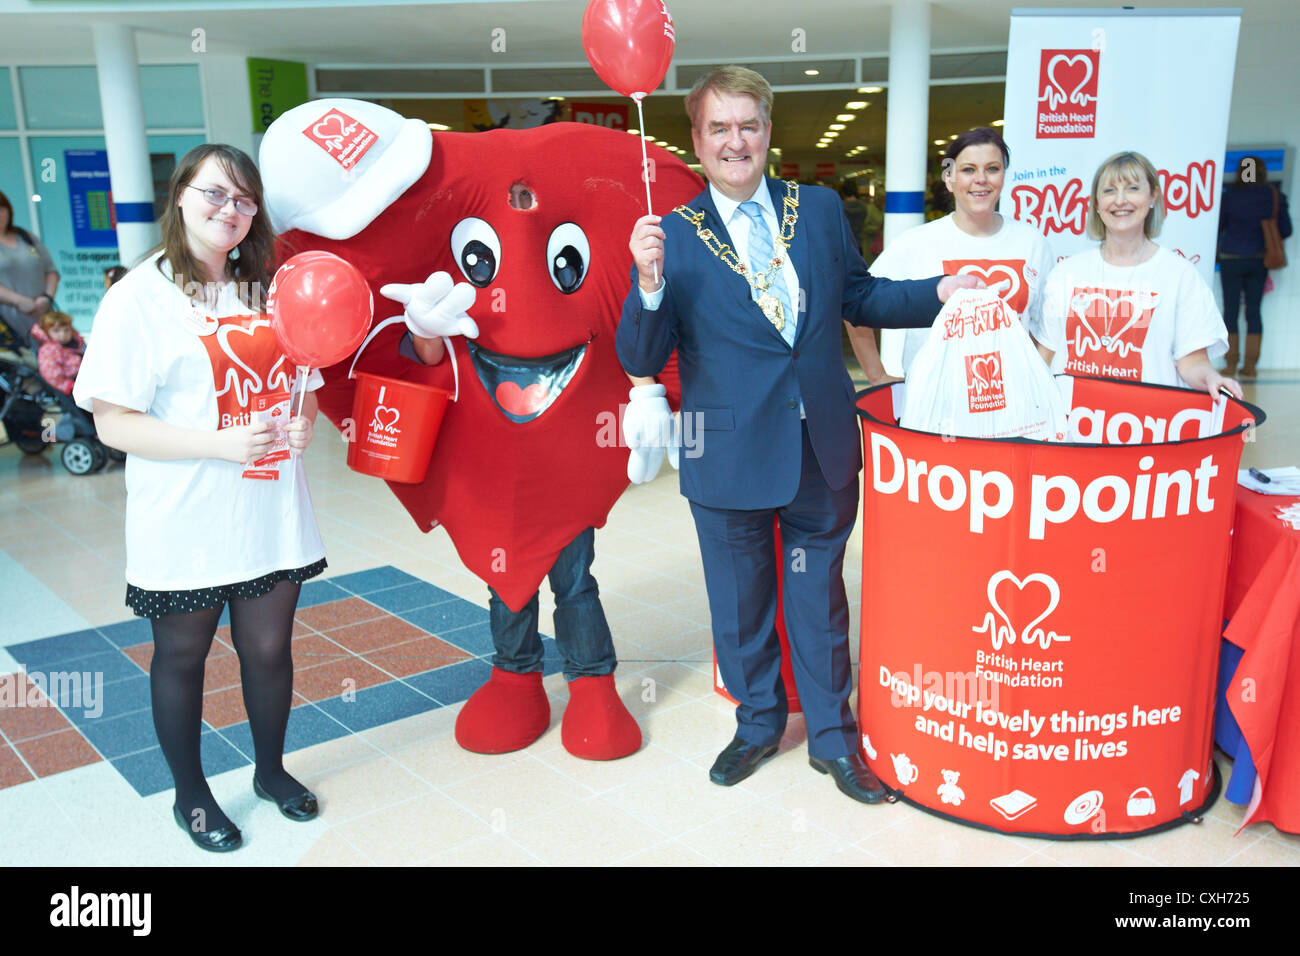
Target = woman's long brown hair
(255,266)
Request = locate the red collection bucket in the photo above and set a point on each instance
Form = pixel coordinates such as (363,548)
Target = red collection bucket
(395,426)
(395,423)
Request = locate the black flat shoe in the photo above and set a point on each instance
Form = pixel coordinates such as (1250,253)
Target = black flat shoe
(299,809)
(854,778)
(738,760)
(221,840)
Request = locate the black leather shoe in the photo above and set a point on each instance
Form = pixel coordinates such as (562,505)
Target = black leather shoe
(853,777)
(738,760)
(221,840)
(300,808)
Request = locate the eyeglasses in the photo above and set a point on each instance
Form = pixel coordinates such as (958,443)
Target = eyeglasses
(219,198)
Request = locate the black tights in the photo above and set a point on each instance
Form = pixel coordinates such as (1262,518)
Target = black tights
(261,630)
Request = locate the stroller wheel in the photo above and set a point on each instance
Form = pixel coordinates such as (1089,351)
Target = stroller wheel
(29,445)
(114,454)
(81,457)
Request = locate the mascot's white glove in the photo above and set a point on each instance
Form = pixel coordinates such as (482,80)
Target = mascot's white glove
(649,429)
(436,307)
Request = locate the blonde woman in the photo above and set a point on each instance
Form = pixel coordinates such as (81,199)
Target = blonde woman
(1129,308)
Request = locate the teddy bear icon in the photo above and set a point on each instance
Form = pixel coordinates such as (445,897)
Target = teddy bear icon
(948,791)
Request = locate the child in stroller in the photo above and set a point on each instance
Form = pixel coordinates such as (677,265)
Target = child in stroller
(35,414)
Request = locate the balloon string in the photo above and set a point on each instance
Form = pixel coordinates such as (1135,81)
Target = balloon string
(303,372)
(645,171)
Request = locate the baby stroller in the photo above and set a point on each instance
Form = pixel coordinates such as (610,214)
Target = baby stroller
(36,415)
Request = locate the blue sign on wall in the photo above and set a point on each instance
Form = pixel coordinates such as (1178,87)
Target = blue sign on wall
(90,197)
(1274,161)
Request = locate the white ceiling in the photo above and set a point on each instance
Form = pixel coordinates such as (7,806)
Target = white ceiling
(536,30)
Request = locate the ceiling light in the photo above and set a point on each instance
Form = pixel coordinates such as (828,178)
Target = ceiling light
(438,126)
(999,123)
(822,145)
(661,142)
(837,126)
(940,142)
(831,134)
(870,89)
(952,137)
(812,72)
(845,117)
(857,105)
(635,132)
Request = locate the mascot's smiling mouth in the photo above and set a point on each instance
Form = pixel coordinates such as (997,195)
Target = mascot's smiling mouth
(523,388)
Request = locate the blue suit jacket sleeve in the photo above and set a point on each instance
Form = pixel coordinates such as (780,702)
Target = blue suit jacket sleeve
(646,337)
(884,303)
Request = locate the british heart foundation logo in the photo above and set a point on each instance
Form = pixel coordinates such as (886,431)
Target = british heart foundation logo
(246,362)
(1105,330)
(342,137)
(1067,94)
(984,382)
(1006,277)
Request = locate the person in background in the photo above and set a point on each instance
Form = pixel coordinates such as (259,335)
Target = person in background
(28,279)
(1130,309)
(1241,256)
(112,274)
(1011,257)
(855,210)
(59,350)
(204,528)
(873,228)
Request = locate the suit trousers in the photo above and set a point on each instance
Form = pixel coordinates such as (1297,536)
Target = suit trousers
(740,576)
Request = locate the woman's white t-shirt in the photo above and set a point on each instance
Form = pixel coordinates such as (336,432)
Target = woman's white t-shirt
(198,523)
(1128,322)
(1017,254)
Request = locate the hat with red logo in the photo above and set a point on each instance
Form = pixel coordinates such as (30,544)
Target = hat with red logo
(331,166)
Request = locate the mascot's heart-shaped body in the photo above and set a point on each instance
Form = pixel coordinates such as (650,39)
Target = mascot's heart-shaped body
(530,455)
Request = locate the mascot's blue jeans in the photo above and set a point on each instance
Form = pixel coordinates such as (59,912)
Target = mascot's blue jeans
(581,631)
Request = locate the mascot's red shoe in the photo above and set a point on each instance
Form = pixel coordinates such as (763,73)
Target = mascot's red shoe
(596,724)
(507,713)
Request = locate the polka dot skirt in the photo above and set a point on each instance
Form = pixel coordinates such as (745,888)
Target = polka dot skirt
(152,604)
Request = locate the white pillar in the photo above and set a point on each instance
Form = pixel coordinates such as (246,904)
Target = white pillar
(124,136)
(906,136)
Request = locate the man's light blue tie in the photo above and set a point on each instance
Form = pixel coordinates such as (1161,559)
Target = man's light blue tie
(760,260)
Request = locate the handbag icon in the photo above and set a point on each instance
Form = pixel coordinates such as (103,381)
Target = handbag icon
(1141,803)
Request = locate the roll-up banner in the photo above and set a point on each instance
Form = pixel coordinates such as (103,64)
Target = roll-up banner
(1083,85)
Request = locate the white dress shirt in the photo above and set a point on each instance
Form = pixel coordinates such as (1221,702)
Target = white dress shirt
(738,225)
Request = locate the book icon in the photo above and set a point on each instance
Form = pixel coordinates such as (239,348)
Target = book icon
(1013,804)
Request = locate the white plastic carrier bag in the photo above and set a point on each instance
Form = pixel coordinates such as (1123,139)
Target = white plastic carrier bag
(979,375)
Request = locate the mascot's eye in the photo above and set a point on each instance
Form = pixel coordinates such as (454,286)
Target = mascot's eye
(567,256)
(477,250)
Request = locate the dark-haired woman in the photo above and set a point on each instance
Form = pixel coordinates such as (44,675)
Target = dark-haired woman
(1241,256)
(183,374)
(1011,257)
(28,280)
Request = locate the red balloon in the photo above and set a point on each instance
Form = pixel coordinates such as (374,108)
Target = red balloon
(320,307)
(629,43)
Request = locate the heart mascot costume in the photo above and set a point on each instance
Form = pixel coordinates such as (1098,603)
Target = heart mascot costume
(531,226)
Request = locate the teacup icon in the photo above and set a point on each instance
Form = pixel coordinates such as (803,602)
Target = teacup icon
(904,769)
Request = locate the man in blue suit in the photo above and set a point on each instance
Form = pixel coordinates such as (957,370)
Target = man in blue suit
(749,285)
